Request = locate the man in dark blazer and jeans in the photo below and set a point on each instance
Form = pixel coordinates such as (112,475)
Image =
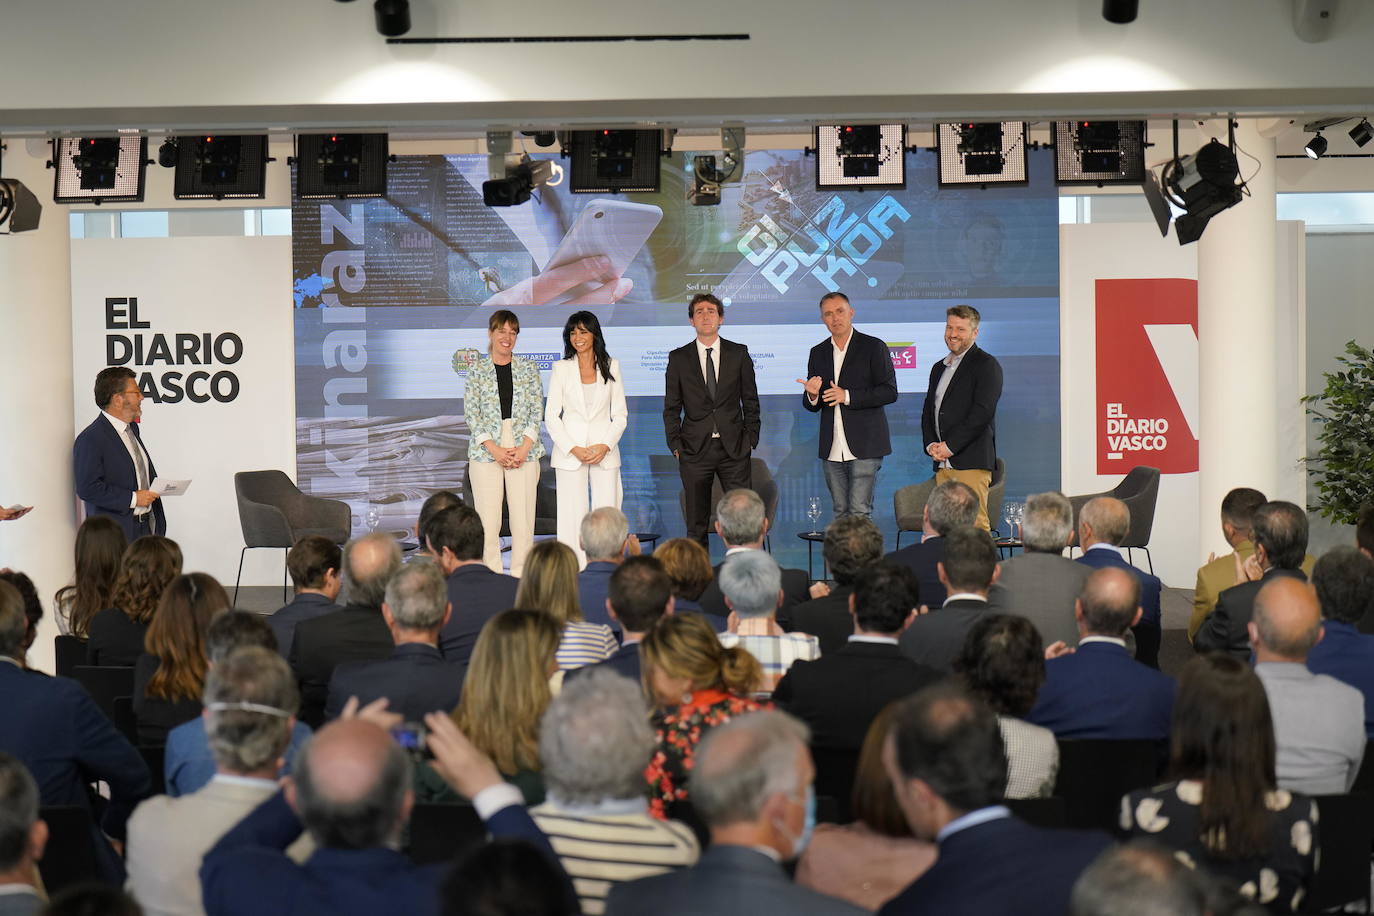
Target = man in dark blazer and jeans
(849,379)
(710,412)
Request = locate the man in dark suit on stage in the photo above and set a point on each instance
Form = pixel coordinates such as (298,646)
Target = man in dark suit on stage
(951,505)
(968,570)
(114,472)
(742,523)
(849,379)
(1102,525)
(958,421)
(456,538)
(710,412)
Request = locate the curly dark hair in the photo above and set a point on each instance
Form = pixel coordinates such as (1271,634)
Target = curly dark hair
(1003,663)
(148,566)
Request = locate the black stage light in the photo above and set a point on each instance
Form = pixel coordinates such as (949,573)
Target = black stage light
(542,138)
(614,160)
(1203,184)
(1362,133)
(1120,11)
(1099,152)
(19,208)
(860,155)
(521,176)
(219,168)
(988,153)
(1316,147)
(706,180)
(167,153)
(99,169)
(393,17)
(340,165)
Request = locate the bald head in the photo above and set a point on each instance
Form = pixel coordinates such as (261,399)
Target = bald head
(352,786)
(1104,520)
(1287,621)
(368,563)
(1109,603)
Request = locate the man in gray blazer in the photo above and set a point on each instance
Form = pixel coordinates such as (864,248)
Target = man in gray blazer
(1042,584)
(752,832)
(22,837)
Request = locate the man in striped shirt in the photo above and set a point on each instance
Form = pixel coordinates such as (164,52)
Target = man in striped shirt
(752,584)
(594,742)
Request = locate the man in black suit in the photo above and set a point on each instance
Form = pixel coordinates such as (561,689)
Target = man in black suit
(959,419)
(1280,534)
(314,563)
(114,472)
(852,544)
(456,540)
(951,505)
(415,679)
(710,412)
(640,593)
(968,570)
(849,379)
(742,525)
(357,632)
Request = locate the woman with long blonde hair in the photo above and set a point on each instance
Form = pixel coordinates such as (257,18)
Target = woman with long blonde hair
(550,585)
(170,675)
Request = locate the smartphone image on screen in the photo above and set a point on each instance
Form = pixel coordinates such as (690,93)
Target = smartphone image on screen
(616,229)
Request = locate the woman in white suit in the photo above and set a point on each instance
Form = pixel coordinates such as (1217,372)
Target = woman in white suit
(585,414)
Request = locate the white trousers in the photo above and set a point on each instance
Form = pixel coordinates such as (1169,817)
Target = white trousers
(575,487)
(492,484)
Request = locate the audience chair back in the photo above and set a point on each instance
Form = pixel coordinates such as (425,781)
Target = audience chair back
(1139,490)
(545,501)
(909,505)
(997,495)
(1364,780)
(68,652)
(1345,839)
(442,833)
(70,856)
(105,683)
(835,769)
(1051,812)
(1094,774)
(125,719)
(155,755)
(273,512)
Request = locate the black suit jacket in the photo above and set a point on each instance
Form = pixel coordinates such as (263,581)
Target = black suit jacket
(106,477)
(841,693)
(968,413)
(115,639)
(921,558)
(828,619)
(354,633)
(936,638)
(477,595)
(689,416)
(868,376)
(155,716)
(305,606)
(1224,629)
(415,678)
(624,661)
(795,589)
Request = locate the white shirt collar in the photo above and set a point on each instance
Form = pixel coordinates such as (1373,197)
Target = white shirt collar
(951,361)
(119,425)
(701,347)
(879,640)
(845,348)
(966,596)
(1105,546)
(1083,641)
(8,890)
(13,661)
(254,782)
(972,819)
(604,808)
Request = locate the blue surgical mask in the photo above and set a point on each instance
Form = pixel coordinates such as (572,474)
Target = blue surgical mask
(800,843)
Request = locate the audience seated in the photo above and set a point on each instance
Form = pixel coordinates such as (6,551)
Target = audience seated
(945,758)
(54,727)
(251,702)
(967,569)
(951,505)
(1344,581)
(170,675)
(435,503)
(504,878)
(640,593)
(456,540)
(147,567)
(1280,533)
(852,545)
(594,743)
(416,678)
(1219,573)
(100,543)
(314,563)
(752,786)
(604,537)
(33,607)
(549,584)
(751,583)
(1041,584)
(1102,526)
(697,684)
(1318,721)
(1140,878)
(188,761)
(869,861)
(742,523)
(1003,664)
(1098,691)
(357,632)
(840,694)
(22,839)
(1226,812)
(689,570)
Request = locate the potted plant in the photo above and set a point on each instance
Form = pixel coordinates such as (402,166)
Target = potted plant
(1343,468)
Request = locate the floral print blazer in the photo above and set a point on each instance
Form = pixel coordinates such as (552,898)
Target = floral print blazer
(482,404)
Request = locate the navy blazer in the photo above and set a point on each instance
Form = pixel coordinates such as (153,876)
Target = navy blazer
(921,558)
(827,618)
(1099,691)
(867,374)
(1150,586)
(593,585)
(624,661)
(477,595)
(305,606)
(354,633)
(936,638)
(415,679)
(1347,655)
(968,412)
(106,477)
(1001,866)
(690,416)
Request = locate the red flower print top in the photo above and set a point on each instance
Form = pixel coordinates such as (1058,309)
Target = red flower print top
(678,732)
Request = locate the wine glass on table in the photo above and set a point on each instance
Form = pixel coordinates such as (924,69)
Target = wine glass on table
(813,512)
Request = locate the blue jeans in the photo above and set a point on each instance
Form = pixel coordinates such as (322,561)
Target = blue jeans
(851,485)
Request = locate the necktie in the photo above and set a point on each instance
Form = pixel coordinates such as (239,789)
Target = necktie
(139,463)
(710,374)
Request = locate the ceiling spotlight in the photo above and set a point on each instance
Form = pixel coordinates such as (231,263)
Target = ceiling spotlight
(19,208)
(1362,133)
(1203,185)
(614,160)
(522,175)
(341,165)
(1099,152)
(219,168)
(860,155)
(167,153)
(99,169)
(1316,147)
(542,138)
(393,17)
(988,153)
(1120,11)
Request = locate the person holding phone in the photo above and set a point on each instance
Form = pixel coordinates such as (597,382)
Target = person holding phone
(504,405)
(585,414)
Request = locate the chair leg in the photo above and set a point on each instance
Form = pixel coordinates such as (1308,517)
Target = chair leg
(1149,560)
(285,574)
(899,539)
(239,576)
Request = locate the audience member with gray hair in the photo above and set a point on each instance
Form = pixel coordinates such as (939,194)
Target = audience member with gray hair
(742,523)
(416,678)
(250,705)
(752,785)
(358,632)
(1102,525)
(594,742)
(951,505)
(605,539)
(1040,583)
(22,838)
(1140,878)
(1344,580)
(852,545)
(752,585)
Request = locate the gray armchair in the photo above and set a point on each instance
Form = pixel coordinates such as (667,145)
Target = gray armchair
(1139,490)
(273,512)
(909,502)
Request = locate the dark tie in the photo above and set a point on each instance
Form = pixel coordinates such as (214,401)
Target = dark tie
(710,375)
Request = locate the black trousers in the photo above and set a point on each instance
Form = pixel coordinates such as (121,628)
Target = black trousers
(698,473)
